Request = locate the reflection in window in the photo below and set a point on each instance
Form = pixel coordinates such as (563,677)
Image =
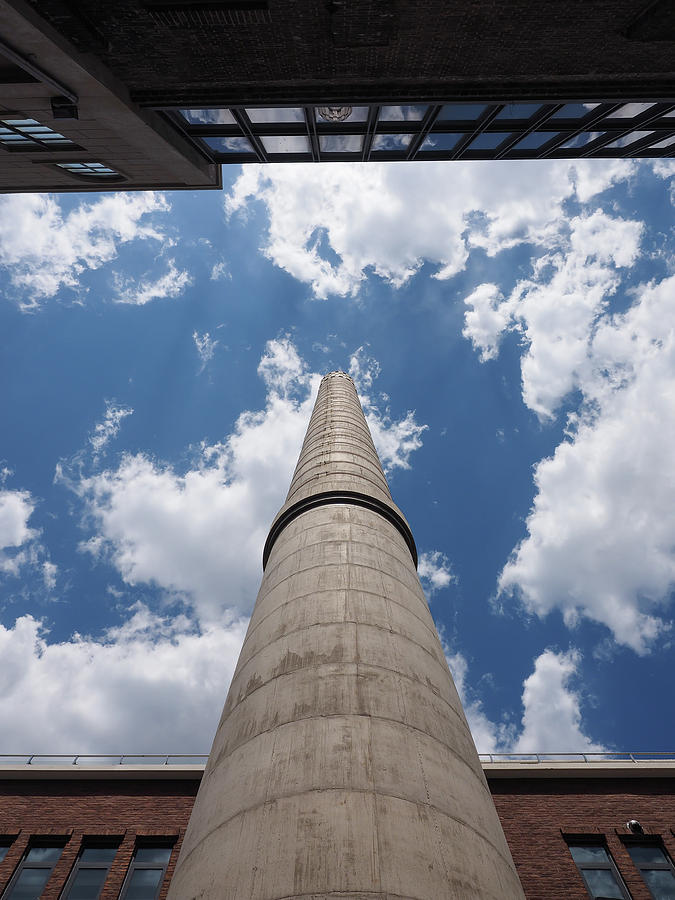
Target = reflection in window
(33,872)
(402,113)
(656,869)
(666,142)
(232,144)
(285,143)
(208,116)
(391,142)
(598,871)
(628,110)
(90,872)
(574,110)
(630,138)
(357,114)
(534,140)
(276,114)
(580,140)
(28,134)
(340,143)
(489,140)
(464,111)
(518,111)
(146,872)
(5,844)
(89,169)
(441,141)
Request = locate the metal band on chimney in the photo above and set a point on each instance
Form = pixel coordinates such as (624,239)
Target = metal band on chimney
(329,497)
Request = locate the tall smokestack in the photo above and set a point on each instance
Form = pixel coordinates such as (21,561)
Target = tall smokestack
(343,765)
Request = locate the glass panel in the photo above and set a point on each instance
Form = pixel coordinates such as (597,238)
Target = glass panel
(660,882)
(402,113)
(29,884)
(630,138)
(277,114)
(98,855)
(341,143)
(229,144)
(21,121)
(518,111)
(465,111)
(579,140)
(646,856)
(535,140)
(602,883)
(3,851)
(587,854)
(441,141)
(357,114)
(391,142)
(488,141)
(574,110)
(285,143)
(628,110)
(13,137)
(143,884)
(666,142)
(153,855)
(87,884)
(43,854)
(208,116)
(35,129)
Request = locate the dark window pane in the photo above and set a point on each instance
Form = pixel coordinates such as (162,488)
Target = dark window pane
(574,110)
(660,882)
(465,111)
(534,140)
(586,854)
(518,111)
(229,144)
(602,883)
(340,143)
(391,142)
(3,852)
(143,884)
(402,113)
(646,855)
(488,141)
(87,884)
(441,141)
(98,855)
(153,855)
(43,854)
(29,884)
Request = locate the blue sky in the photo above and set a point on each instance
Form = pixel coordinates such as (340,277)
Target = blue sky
(511,329)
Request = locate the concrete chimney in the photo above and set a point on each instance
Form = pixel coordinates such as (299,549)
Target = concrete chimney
(343,765)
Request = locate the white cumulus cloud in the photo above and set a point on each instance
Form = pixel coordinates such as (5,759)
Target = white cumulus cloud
(16,508)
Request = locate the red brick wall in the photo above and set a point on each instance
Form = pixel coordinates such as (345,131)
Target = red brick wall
(72,808)
(537,813)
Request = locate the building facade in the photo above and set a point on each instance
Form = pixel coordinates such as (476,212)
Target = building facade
(131,811)
(158,93)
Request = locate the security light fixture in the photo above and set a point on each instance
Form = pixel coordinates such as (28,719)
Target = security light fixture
(634,827)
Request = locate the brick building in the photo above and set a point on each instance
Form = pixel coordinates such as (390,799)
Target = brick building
(158,93)
(82,828)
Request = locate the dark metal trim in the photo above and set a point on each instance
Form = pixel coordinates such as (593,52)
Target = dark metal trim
(326,499)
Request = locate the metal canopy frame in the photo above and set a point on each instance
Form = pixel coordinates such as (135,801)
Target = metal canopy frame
(599,121)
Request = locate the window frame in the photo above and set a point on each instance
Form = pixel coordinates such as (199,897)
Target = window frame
(37,841)
(156,843)
(87,844)
(597,842)
(666,866)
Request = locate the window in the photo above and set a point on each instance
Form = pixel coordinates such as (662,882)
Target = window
(5,844)
(89,169)
(535,139)
(88,877)
(461,111)
(656,869)
(391,143)
(146,872)
(518,111)
(402,113)
(34,871)
(285,143)
(276,114)
(598,871)
(441,140)
(489,140)
(341,143)
(28,134)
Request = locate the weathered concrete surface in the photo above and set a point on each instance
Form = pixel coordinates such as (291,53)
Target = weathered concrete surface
(343,764)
